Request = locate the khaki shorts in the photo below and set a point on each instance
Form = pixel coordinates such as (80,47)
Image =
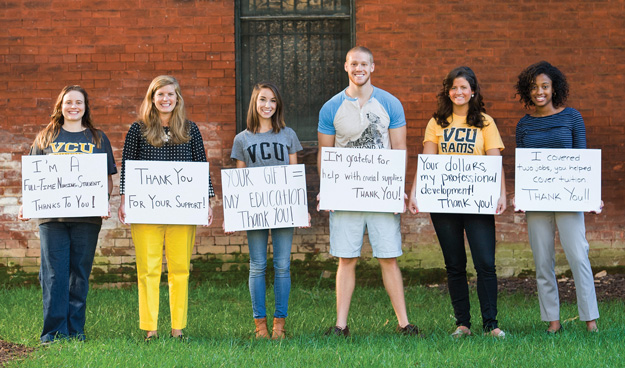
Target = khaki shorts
(347,230)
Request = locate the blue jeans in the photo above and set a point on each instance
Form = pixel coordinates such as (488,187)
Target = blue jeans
(67,251)
(480,230)
(257,242)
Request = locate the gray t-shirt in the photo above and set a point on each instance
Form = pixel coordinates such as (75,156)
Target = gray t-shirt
(265,149)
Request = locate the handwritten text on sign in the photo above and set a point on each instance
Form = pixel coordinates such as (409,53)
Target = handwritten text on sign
(458,183)
(369,180)
(557,179)
(64,186)
(166,192)
(264,197)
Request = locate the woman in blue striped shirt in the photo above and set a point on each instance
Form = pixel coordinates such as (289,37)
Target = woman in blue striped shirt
(553,125)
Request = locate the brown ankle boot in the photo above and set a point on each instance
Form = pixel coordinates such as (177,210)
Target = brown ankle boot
(261,328)
(278,329)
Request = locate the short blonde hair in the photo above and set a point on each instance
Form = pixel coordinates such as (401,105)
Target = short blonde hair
(359,49)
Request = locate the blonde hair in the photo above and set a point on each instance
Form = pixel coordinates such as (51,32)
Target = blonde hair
(277,119)
(359,49)
(152,128)
(46,136)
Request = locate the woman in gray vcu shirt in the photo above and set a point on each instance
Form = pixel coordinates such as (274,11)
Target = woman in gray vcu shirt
(267,141)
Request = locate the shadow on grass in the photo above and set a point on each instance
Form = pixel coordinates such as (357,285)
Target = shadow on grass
(313,271)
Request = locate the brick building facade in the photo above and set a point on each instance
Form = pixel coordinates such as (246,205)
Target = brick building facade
(114,48)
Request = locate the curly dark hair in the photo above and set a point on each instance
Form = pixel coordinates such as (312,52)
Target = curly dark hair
(527,79)
(446,107)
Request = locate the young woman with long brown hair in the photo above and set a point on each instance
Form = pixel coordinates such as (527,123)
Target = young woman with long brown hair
(68,244)
(273,143)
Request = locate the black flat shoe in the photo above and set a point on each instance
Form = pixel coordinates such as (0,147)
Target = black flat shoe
(409,330)
(337,331)
(553,332)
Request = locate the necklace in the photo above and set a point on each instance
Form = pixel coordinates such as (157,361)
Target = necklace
(166,135)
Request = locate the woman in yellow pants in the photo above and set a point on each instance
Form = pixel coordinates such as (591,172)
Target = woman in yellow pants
(163,134)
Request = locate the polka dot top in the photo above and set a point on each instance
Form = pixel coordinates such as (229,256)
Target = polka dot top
(136,147)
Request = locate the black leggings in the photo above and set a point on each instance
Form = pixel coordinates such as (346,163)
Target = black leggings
(480,230)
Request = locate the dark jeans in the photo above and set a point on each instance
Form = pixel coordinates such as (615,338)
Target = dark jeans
(67,250)
(480,230)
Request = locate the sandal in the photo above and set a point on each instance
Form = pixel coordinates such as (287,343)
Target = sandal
(591,326)
(461,332)
(497,335)
(553,332)
(181,337)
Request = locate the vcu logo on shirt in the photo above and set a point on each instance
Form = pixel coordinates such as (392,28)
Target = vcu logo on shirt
(71,147)
(459,140)
(266,151)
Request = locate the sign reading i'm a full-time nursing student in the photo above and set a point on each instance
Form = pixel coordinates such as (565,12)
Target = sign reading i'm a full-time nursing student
(55,186)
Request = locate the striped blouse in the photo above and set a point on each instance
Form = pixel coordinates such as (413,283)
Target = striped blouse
(562,130)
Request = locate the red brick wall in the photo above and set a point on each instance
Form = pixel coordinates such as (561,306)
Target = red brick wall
(114,48)
(417,42)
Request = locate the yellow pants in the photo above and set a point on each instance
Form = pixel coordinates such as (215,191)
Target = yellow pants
(148,240)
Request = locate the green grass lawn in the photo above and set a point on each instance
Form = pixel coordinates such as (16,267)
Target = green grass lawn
(221,329)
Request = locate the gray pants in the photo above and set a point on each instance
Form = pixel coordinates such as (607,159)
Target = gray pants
(541,228)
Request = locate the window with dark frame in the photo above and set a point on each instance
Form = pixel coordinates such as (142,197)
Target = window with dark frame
(300,46)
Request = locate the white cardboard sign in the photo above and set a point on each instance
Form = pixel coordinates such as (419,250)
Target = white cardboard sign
(355,179)
(266,197)
(458,183)
(166,192)
(557,179)
(64,185)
